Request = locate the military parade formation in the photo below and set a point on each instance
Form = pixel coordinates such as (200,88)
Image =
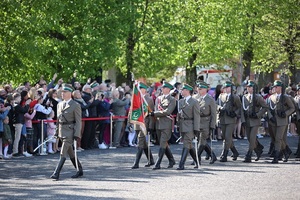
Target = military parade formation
(199,115)
(192,112)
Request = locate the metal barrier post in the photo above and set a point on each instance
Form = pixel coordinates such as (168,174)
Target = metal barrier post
(111,132)
(43,153)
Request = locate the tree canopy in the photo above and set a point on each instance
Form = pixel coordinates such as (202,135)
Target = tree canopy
(148,38)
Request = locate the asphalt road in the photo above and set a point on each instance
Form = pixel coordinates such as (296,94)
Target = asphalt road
(107,175)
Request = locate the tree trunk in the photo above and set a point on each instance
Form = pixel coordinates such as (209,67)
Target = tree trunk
(291,51)
(248,55)
(129,58)
(191,75)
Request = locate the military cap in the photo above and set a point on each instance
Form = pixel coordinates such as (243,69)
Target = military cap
(67,87)
(167,85)
(227,84)
(143,85)
(278,83)
(250,83)
(202,84)
(187,87)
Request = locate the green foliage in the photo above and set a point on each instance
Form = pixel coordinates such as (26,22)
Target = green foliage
(146,37)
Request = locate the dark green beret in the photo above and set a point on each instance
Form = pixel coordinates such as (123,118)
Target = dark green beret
(202,84)
(187,87)
(250,83)
(227,84)
(67,88)
(278,83)
(167,85)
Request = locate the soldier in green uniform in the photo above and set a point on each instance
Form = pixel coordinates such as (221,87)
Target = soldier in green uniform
(164,106)
(189,117)
(142,143)
(229,107)
(69,126)
(253,108)
(280,108)
(297,119)
(207,119)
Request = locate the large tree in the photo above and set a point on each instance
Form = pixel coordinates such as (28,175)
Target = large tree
(147,38)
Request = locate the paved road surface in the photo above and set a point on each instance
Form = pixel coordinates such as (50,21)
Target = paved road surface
(107,175)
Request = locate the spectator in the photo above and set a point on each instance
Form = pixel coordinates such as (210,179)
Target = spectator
(28,122)
(10,103)
(84,113)
(103,111)
(41,114)
(88,137)
(19,112)
(3,114)
(7,138)
(52,99)
(118,109)
(50,133)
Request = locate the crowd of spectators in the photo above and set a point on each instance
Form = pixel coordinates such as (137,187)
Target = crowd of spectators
(28,116)
(23,108)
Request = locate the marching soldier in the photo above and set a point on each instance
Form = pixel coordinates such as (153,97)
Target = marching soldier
(253,108)
(164,106)
(228,105)
(69,126)
(297,101)
(280,107)
(142,143)
(189,117)
(207,120)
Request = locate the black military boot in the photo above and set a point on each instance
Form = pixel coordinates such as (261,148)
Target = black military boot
(258,150)
(184,155)
(276,156)
(271,149)
(248,157)
(59,166)
(288,150)
(206,156)
(298,149)
(211,154)
(161,154)
(151,160)
(223,157)
(79,173)
(297,154)
(235,153)
(280,155)
(200,150)
(137,158)
(192,152)
(170,157)
(286,153)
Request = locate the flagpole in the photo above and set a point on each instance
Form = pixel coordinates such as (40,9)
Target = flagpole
(143,100)
(131,114)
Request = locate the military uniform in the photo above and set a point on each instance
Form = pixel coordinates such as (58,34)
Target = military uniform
(297,118)
(189,117)
(280,107)
(164,106)
(69,127)
(252,113)
(207,120)
(142,142)
(229,107)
